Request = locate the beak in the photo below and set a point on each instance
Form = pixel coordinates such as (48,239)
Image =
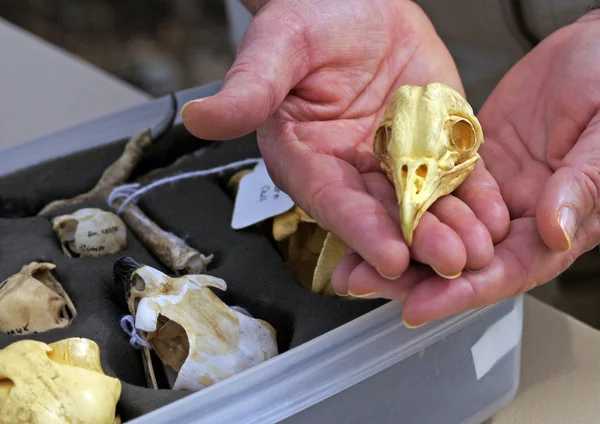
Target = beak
(415,187)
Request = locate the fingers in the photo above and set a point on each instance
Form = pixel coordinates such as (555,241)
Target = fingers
(571,196)
(333,193)
(521,262)
(355,277)
(438,246)
(449,236)
(473,233)
(265,70)
(482,195)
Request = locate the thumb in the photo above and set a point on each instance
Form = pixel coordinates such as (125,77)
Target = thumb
(570,196)
(272,59)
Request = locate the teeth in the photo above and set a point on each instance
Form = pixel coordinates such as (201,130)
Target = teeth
(427,142)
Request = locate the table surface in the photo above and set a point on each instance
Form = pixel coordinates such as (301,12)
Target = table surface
(45,89)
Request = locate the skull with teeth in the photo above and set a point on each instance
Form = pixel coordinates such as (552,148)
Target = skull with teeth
(427,142)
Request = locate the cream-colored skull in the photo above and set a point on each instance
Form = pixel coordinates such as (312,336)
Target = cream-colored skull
(190,328)
(33,301)
(91,232)
(427,142)
(59,383)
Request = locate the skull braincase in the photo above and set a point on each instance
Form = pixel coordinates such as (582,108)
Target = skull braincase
(56,383)
(91,232)
(34,301)
(193,331)
(427,142)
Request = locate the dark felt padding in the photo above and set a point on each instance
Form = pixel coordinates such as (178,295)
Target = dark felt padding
(198,210)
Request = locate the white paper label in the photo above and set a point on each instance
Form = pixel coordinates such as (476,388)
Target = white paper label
(258,199)
(502,337)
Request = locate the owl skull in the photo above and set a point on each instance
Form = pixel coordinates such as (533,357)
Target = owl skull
(427,142)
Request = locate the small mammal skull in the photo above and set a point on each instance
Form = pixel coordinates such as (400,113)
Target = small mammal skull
(427,142)
(33,301)
(190,328)
(91,232)
(56,383)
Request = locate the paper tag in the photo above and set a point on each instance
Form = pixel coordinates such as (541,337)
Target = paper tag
(258,199)
(502,337)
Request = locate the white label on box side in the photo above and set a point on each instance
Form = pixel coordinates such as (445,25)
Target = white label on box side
(502,336)
(258,199)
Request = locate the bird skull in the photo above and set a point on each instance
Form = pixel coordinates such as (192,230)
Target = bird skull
(91,232)
(427,142)
(191,330)
(61,382)
(33,301)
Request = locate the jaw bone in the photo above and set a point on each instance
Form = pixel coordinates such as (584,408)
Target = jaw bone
(427,142)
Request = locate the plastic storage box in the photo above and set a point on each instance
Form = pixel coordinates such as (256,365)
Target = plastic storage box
(372,369)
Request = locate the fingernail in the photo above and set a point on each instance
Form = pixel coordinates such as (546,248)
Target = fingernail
(371,295)
(567,219)
(386,277)
(412,327)
(448,277)
(339,294)
(477,271)
(190,102)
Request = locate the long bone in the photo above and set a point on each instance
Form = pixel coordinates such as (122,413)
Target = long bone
(170,249)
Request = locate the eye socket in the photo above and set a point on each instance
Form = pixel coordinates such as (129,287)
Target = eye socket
(462,135)
(382,137)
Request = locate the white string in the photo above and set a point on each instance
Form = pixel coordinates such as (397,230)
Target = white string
(121,191)
(136,341)
(125,190)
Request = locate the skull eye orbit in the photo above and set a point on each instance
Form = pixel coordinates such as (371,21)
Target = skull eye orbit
(382,137)
(463,135)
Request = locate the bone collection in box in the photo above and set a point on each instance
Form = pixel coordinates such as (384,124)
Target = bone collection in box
(427,143)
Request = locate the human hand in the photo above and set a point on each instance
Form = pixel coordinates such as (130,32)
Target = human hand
(542,145)
(314,78)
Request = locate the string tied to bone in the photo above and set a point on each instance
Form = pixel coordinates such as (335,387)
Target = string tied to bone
(136,341)
(132,192)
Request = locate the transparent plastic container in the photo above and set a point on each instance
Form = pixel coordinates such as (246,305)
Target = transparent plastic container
(462,369)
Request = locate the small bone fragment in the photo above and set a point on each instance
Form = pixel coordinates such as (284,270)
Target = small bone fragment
(171,250)
(33,301)
(286,224)
(90,232)
(61,382)
(334,249)
(427,142)
(190,328)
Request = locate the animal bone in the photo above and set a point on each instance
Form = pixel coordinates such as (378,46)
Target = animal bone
(33,301)
(190,328)
(90,232)
(171,250)
(56,383)
(309,250)
(332,252)
(287,223)
(116,174)
(427,142)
